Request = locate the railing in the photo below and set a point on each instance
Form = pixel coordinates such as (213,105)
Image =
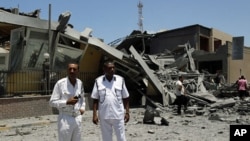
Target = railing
(21,83)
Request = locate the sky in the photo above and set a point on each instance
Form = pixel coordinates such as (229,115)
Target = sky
(113,19)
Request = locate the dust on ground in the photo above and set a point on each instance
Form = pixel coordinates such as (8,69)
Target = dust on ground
(185,127)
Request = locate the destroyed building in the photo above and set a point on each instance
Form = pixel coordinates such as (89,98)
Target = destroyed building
(211,51)
(150,63)
(213,48)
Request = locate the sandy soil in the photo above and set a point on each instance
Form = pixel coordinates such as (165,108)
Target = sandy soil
(185,127)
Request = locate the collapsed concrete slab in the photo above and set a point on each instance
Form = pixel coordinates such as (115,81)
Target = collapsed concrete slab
(224,103)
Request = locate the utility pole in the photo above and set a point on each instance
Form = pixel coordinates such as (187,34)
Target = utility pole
(49,52)
(140,24)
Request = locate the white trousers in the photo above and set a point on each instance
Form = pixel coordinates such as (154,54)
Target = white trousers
(107,126)
(69,128)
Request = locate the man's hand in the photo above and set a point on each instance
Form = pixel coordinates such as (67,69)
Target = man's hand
(126,117)
(72,101)
(81,111)
(95,119)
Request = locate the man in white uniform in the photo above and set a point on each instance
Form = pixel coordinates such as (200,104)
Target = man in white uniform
(68,98)
(181,96)
(111,98)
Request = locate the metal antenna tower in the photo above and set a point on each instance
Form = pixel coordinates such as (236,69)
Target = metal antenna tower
(140,23)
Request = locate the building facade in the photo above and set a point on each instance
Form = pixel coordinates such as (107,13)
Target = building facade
(214,46)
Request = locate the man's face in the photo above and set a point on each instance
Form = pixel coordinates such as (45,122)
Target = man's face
(109,69)
(181,79)
(72,70)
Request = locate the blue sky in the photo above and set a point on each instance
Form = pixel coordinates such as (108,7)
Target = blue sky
(113,19)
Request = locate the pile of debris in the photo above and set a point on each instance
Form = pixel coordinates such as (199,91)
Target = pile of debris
(163,70)
(232,111)
(206,98)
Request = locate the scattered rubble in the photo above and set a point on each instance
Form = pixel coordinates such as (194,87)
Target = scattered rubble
(214,103)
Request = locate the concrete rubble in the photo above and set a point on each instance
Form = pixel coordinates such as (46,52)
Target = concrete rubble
(206,99)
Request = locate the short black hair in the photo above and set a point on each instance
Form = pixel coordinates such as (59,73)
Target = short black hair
(242,77)
(106,62)
(73,62)
(180,76)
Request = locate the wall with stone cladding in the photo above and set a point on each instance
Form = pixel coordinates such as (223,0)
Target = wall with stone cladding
(25,107)
(30,106)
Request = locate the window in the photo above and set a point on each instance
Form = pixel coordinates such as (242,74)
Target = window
(2,60)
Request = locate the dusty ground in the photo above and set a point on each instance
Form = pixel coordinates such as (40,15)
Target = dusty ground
(185,127)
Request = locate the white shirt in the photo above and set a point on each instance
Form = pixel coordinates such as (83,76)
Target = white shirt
(110,95)
(179,92)
(62,91)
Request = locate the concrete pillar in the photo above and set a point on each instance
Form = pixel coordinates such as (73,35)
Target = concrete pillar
(211,42)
